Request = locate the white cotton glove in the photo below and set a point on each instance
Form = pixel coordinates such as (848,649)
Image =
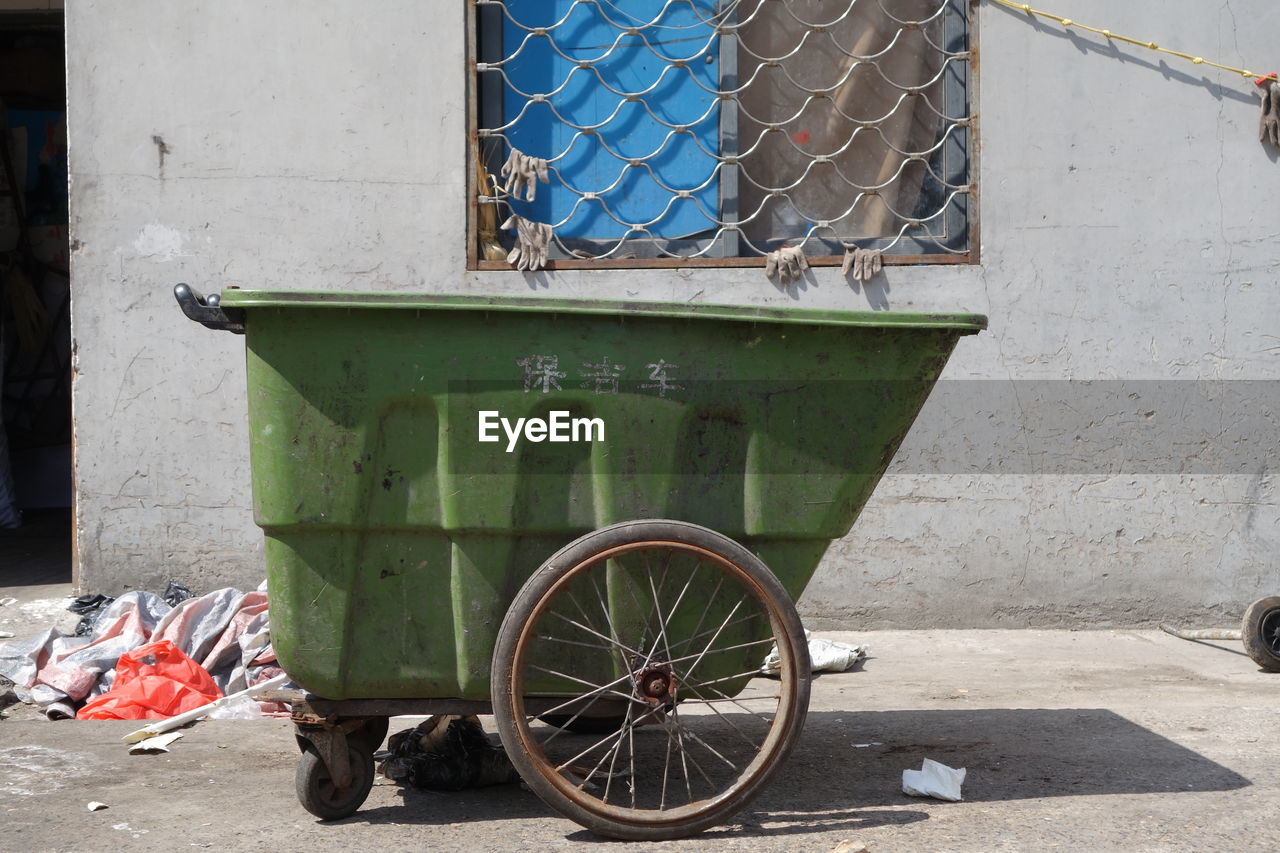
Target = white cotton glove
(787,264)
(524,172)
(532,242)
(865,263)
(1269,125)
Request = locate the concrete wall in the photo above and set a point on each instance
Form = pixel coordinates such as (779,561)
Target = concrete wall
(1128,233)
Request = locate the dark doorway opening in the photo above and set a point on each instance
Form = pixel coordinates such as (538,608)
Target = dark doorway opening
(35,302)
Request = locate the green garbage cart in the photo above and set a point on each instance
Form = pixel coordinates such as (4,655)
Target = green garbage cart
(587,518)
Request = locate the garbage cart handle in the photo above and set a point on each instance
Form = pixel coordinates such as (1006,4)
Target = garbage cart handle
(208,312)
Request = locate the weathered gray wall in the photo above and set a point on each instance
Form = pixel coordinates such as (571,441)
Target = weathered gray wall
(1129,220)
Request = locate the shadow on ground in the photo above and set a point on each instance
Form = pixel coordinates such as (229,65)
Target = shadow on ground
(831,784)
(1010,755)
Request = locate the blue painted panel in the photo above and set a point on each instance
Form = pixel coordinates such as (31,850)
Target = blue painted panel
(597,162)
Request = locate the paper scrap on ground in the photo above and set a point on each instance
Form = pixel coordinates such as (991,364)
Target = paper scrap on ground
(824,656)
(96,806)
(851,847)
(933,780)
(124,827)
(154,745)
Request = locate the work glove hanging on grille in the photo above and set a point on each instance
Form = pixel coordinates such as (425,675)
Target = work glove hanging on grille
(786,263)
(532,241)
(523,173)
(864,263)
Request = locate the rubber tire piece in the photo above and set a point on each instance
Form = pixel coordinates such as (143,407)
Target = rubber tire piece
(315,787)
(541,583)
(1263,614)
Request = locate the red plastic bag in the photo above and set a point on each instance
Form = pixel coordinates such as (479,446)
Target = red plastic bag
(153,682)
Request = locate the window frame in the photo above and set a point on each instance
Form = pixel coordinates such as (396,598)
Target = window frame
(959,145)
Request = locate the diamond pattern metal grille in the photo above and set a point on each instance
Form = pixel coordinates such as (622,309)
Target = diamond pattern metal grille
(726,128)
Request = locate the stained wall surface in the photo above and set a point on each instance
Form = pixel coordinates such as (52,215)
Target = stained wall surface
(1128,243)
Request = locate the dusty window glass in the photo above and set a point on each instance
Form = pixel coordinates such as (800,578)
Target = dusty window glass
(724,128)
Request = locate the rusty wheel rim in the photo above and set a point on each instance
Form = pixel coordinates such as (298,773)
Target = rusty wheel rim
(694,738)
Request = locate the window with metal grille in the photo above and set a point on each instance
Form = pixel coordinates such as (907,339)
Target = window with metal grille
(716,131)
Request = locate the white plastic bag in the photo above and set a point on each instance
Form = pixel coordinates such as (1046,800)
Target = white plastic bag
(933,780)
(242,708)
(824,656)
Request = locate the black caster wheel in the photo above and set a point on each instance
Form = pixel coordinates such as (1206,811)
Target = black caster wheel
(315,787)
(1261,633)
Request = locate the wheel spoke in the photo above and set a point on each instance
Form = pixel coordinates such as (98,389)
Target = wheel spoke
(662,584)
(695,655)
(593,632)
(688,672)
(662,622)
(703,701)
(550,639)
(734,725)
(582,681)
(631,740)
(734,677)
(680,598)
(617,748)
(599,743)
(688,641)
(726,698)
(568,723)
(666,771)
(598,692)
(671,726)
(617,736)
(674,720)
(608,618)
(655,611)
(705,610)
(694,737)
(640,608)
(722,649)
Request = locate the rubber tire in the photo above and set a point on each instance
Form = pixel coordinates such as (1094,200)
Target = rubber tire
(312,777)
(1259,647)
(532,593)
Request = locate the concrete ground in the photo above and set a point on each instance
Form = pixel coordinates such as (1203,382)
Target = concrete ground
(1109,740)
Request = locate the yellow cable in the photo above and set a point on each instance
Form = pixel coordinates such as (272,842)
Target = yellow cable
(1149,45)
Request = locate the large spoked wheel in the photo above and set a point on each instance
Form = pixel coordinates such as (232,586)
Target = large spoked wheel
(1261,633)
(663,626)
